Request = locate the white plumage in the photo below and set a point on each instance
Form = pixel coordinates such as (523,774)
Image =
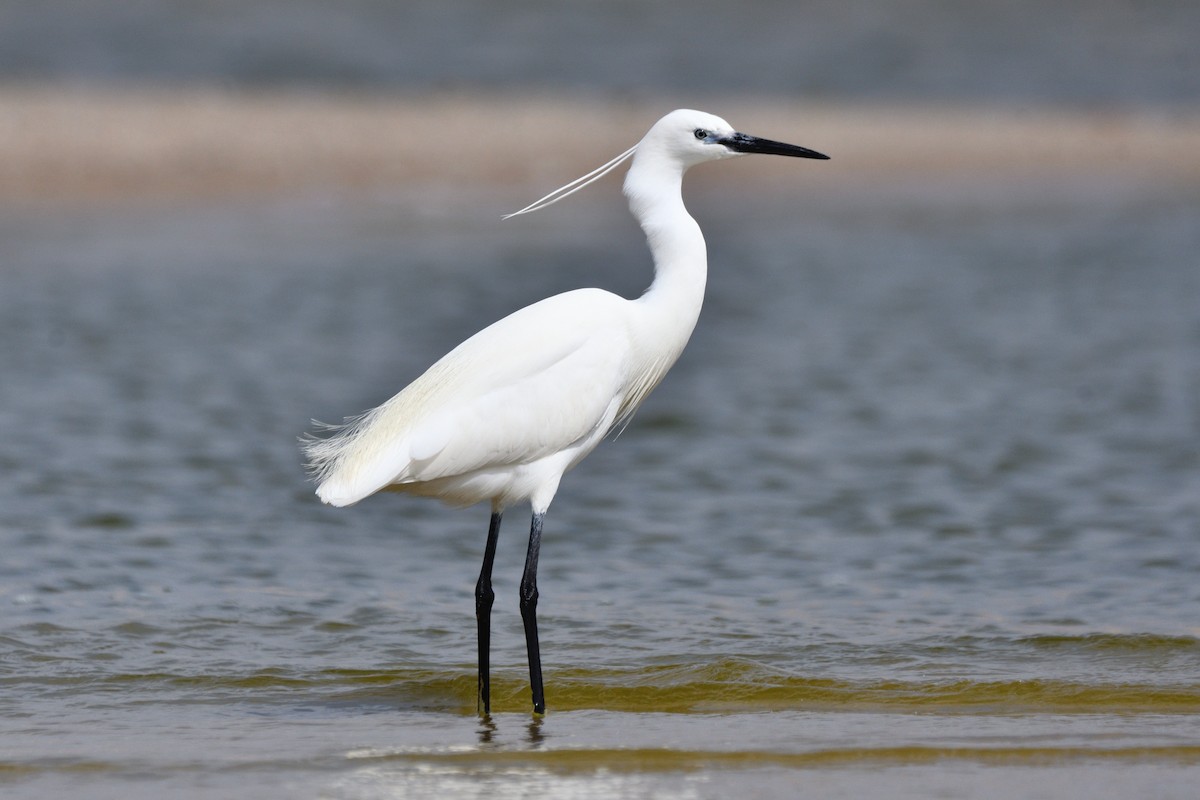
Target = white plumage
(504,415)
(497,424)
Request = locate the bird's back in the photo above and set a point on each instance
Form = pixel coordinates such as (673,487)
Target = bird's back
(546,380)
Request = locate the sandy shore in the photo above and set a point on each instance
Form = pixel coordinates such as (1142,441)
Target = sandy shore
(75,146)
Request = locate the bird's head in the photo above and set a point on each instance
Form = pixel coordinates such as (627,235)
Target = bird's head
(693,137)
(679,140)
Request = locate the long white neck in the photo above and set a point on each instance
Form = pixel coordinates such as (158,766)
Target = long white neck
(671,306)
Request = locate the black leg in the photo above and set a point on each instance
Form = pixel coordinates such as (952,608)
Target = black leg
(483,616)
(529,598)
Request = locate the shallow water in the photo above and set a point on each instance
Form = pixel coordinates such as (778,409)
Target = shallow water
(916,511)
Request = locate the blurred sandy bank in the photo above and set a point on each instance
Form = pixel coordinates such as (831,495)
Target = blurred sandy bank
(71,147)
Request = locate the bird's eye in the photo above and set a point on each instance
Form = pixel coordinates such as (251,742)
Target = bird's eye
(700,134)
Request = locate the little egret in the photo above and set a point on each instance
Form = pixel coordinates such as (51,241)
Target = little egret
(505,414)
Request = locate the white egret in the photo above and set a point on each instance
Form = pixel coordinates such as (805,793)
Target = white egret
(505,414)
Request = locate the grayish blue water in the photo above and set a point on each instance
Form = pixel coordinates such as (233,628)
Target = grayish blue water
(1068,53)
(922,496)
(915,515)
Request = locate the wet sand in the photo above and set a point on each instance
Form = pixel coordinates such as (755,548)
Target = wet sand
(80,147)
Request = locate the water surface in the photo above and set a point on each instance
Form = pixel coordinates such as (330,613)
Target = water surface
(916,511)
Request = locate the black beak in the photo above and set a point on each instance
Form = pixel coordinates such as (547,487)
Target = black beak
(745,143)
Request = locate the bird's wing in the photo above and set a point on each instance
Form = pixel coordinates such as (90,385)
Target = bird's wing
(528,386)
(525,418)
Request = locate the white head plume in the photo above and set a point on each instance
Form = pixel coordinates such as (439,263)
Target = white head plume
(574,186)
